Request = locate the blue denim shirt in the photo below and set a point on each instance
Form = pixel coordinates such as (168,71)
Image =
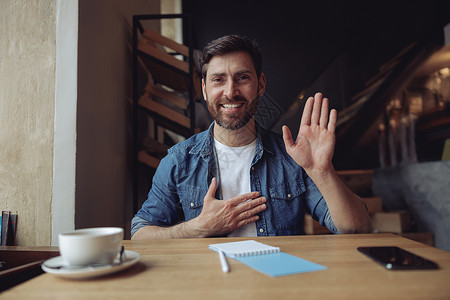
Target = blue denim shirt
(184,175)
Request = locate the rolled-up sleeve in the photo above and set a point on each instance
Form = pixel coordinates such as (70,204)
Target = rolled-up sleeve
(328,221)
(137,223)
(162,206)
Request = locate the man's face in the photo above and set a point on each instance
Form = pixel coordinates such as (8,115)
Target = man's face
(231,89)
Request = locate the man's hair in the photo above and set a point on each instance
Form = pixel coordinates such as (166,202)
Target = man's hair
(228,44)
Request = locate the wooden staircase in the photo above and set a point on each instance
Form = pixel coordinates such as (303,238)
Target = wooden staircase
(166,86)
(169,96)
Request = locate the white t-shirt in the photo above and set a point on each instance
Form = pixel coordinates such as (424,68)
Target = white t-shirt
(234,168)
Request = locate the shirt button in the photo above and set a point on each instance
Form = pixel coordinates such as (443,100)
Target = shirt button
(289,195)
(261,230)
(192,204)
(253,168)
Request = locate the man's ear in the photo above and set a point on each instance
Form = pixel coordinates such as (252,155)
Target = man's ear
(204,89)
(262,84)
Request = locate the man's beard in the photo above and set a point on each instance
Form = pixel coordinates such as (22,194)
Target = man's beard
(233,121)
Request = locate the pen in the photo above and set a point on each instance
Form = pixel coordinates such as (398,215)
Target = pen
(223,262)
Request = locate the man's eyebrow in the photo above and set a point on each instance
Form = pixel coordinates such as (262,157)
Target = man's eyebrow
(217,74)
(236,73)
(242,72)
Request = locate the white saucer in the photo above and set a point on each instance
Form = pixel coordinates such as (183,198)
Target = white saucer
(129,259)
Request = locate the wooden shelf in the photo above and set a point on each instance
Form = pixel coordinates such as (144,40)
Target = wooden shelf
(160,109)
(166,68)
(167,100)
(162,40)
(152,152)
(171,97)
(148,159)
(149,47)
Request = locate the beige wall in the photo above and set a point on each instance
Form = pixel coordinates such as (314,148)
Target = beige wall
(27,105)
(30,144)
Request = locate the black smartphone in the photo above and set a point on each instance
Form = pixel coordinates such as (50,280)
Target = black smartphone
(394,258)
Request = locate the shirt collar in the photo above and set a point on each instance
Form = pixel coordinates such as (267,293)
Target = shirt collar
(205,145)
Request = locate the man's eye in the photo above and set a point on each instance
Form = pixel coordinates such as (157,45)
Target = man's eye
(243,77)
(217,80)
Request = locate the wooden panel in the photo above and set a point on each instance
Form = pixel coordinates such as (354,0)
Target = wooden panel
(395,222)
(167,76)
(154,147)
(374,204)
(151,50)
(166,95)
(358,181)
(148,103)
(147,159)
(162,40)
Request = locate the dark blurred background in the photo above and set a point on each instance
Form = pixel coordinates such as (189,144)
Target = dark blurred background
(361,54)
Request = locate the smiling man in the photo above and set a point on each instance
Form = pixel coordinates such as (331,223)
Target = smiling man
(234,179)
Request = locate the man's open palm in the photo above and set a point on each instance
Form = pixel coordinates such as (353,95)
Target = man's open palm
(314,146)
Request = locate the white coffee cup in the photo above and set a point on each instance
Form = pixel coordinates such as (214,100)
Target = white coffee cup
(91,245)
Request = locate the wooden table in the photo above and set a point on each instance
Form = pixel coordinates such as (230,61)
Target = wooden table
(187,269)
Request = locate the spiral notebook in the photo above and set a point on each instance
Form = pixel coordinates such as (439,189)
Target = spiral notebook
(266,259)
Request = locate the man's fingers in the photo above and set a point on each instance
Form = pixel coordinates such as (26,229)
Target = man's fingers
(324,113)
(249,210)
(252,206)
(247,202)
(333,120)
(287,137)
(247,221)
(307,111)
(317,107)
(243,198)
(211,193)
(316,113)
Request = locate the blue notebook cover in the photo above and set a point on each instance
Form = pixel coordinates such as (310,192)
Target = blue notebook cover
(279,264)
(266,259)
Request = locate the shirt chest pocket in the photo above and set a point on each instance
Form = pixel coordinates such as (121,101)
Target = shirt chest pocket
(288,206)
(191,199)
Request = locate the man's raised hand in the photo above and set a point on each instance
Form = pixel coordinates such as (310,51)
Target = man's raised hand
(314,147)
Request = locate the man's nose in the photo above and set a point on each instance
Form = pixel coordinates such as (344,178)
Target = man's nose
(231,89)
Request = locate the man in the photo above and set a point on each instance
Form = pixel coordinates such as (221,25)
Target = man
(266,184)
